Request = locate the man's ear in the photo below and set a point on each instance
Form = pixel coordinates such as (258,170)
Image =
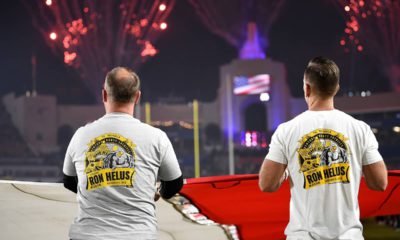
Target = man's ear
(337,89)
(137,97)
(104,95)
(307,89)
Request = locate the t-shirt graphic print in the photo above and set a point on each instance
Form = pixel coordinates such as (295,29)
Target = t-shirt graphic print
(110,161)
(323,155)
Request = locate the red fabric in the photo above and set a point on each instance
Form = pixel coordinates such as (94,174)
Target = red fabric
(237,200)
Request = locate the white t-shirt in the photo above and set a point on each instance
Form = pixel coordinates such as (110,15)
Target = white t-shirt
(117,160)
(324,152)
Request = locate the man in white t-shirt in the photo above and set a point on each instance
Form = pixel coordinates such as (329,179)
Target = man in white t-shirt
(324,152)
(113,164)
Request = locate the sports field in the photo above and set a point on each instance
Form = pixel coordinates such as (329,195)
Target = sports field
(375,231)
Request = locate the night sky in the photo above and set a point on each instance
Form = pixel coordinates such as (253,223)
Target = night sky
(187,65)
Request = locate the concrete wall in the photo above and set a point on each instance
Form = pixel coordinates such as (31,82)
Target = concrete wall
(14,106)
(77,116)
(39,118)
(208,113)
(35,118)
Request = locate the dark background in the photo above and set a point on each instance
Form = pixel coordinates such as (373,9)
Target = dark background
(189,58)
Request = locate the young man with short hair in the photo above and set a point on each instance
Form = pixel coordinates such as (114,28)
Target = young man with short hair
(324,152)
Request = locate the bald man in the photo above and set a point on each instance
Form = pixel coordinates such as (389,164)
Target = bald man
(113,164)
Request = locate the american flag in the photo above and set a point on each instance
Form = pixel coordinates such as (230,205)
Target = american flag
(251,85)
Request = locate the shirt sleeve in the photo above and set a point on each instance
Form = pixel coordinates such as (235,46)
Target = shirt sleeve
(169,167)
(69,167)
(276,151)
(371,154)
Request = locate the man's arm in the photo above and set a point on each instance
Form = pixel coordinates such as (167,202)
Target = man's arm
(170,188)
(169,173)
(272,175)
(376,176)
(71,183)
(70,179)
(374,168)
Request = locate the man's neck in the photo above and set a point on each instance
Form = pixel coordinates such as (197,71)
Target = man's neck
(315,104)
(128,109)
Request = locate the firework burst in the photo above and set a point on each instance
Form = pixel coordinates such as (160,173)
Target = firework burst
(95,36)
(229,18)
(374,26)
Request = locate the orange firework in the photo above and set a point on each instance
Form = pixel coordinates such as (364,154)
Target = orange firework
(374,26)
(94,36)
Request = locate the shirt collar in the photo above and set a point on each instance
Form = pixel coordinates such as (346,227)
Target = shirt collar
(120,114)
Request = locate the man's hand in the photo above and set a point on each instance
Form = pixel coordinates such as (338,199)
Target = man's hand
(271,176)
(156,196)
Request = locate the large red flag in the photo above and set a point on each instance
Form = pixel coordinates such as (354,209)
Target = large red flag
(237,200)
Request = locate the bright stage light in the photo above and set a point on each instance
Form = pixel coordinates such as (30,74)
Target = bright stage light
(162,7)
(49,2)
(248,139)
(264,97)
(347,8)
(53,36)
(396,129)
(163,26)
(254,141)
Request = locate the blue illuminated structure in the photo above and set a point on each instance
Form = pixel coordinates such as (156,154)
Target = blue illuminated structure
(251,49)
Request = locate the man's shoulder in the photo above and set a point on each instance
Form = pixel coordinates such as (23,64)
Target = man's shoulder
(151,129)
(90,124)
(292,122)
(345,117)
(333,114)
(143,127)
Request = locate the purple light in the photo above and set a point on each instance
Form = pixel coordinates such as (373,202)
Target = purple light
(253,139)
(251,48)
(248,139)
(254,142)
